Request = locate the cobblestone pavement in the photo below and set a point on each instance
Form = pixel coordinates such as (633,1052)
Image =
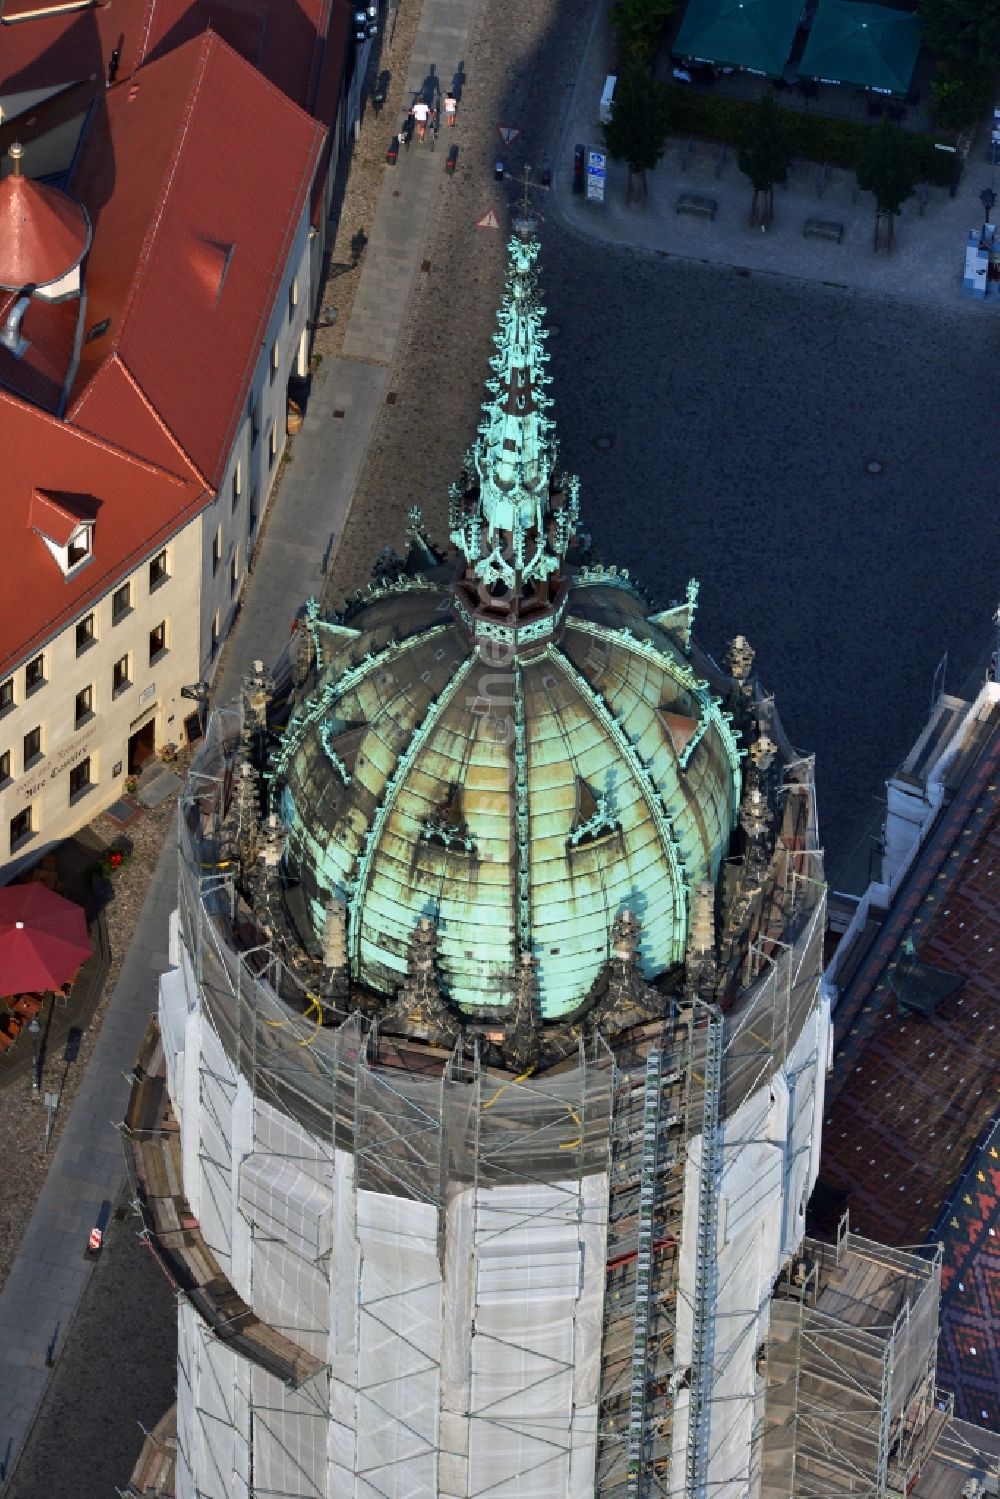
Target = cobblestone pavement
(742,411)
(87,1435)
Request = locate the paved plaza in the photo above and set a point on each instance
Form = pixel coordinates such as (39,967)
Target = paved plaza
(721,415)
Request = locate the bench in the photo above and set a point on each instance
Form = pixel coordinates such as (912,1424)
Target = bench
(823,229)
(695,203)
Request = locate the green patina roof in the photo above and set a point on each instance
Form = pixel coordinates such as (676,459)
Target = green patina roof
(871,46)
(521,789)
(752,34)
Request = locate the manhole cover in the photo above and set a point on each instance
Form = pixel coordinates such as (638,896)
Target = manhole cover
(425,265)
(873,467)
(604,443)
(390,399)
(339,415)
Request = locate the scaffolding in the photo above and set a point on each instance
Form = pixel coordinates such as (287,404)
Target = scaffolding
(852,1411)
(705,1266)
(506,1190)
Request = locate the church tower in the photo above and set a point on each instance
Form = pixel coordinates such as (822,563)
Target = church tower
(493,1051)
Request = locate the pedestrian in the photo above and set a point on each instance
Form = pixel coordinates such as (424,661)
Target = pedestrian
(421,113)
(450,107)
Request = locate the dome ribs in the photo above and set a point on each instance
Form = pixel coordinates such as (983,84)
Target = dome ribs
(395,781)
(658,810)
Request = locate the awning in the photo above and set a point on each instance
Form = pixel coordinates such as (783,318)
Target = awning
(756,35)
(870,46)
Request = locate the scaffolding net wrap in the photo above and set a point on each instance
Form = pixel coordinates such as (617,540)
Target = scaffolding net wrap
(477,1282)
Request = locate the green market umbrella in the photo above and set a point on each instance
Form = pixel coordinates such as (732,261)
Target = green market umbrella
(870,46)
(755,35)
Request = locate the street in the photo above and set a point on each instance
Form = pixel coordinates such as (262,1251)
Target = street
(721,424)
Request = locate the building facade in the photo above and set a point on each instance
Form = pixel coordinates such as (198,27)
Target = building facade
(152,321)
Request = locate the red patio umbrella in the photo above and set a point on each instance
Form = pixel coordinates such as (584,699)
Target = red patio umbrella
(43,938)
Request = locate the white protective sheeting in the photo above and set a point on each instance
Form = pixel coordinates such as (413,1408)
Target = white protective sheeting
(399,1332)
(213,1420)
(215,1160)
(290,1433)
(283,1202)
(531,1272)
(770,1143)
(173,1009)
(292,1294)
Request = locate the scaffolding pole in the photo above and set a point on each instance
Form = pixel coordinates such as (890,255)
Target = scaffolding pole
(705,1271)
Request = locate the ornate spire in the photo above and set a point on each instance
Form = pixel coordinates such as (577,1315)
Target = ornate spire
(513,517)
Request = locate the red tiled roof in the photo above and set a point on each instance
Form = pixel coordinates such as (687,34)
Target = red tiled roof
(57,514)
(911,1094)
(12,10)
(39,375)
(171,187)
(43,233)
(283,39)
(136,505)
(116,404)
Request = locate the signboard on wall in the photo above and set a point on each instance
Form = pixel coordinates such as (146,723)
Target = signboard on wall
(52,767)
(597,171)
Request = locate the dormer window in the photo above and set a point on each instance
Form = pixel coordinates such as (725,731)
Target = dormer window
(80,546)
(65,523)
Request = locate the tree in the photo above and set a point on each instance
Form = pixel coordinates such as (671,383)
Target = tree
(964,32)
(888,167)
(764,157)
(640,23)
(960,95)
(640,124)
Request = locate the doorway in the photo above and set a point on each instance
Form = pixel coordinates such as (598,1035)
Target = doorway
(141,747)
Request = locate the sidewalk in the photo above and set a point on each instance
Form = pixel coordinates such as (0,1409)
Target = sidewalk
(926,263)
(48,1277)
(317,487)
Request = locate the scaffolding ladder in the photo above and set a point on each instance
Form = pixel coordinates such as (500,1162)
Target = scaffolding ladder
(643,1273)
(705,1270)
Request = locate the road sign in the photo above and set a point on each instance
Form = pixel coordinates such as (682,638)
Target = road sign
(597,171)
(489,220)
(508,133)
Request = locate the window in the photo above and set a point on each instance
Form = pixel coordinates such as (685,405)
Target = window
(97,330)
(252,514)
(32,745)
(275,360)
(34,675)
(234,572)
(254,422)
(158,570)
(20,827)
(84,705)
(121,603)
(4,766)
(237,485)
(216,550)
(6,695)
(120,675)
(85,633)
(157,641)
(79,778)
(216,632)
(293,297)
(272,445)
(79,547)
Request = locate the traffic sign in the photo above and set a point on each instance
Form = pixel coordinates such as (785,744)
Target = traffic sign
(489,220)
